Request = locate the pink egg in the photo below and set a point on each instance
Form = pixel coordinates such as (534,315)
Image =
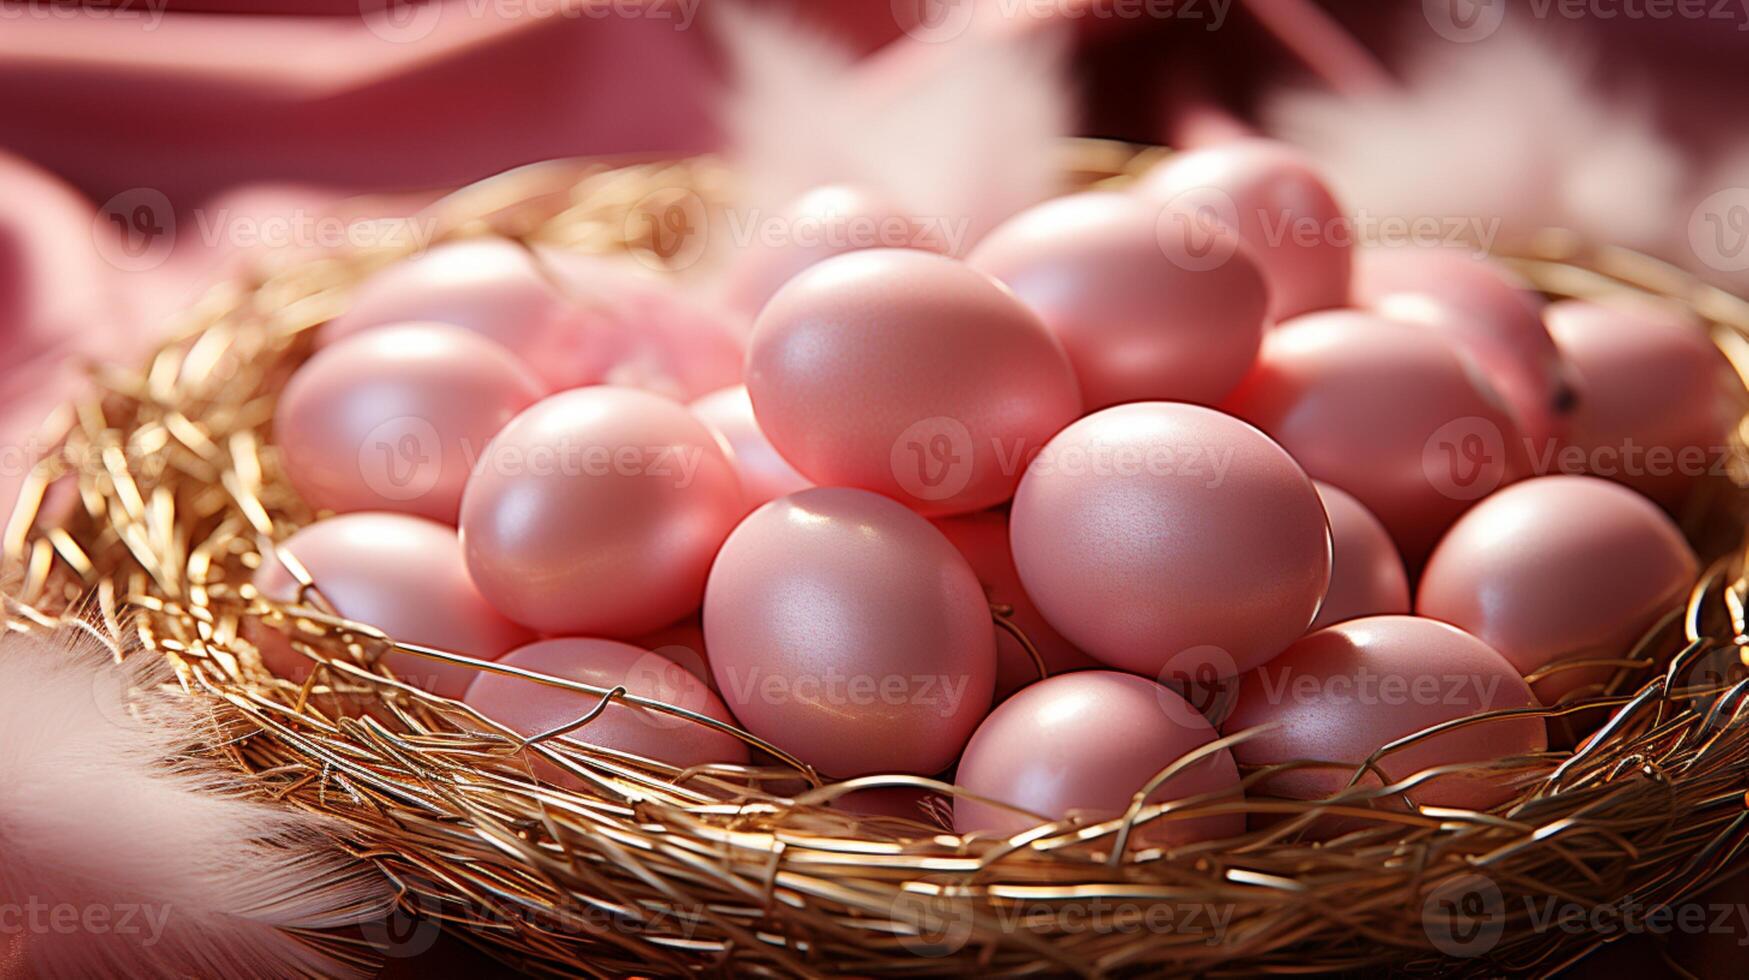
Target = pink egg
(1141,316)
(394,418)
(639,329)
(597,511)
(683,643)
(1083,745)
(531,708)
(844,628)
(1366,573)
(824,222)
(1391,414)
(983,539)
(1281,209)
(1656,413)
(1489,314)
(401,574)
(764,474)
(1343,693)
(1556,568)
(488,285)
(1171,540)
(909,374)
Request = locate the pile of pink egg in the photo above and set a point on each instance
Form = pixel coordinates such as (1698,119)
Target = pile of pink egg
(1178,443)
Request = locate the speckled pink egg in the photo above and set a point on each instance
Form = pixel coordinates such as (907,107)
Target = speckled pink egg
(983,539)
(597,511)
(1342,693)
(1082,746)
(530,708)
(1559,567)
(393,418)
(1656,409)
(403,575)
(1366,573)
(910,374)
(491,286)
(1391,414)
(846,629)
(823,222)
(1171,540)
(764,474)
(1489,314)
(1141,316)
(1281,208)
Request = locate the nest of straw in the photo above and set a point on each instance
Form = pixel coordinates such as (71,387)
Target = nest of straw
(150,515)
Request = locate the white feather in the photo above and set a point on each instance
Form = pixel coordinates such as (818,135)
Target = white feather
(1505,130)
(125,852)
(964,131)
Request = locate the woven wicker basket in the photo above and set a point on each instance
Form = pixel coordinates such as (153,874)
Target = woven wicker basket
(753,870)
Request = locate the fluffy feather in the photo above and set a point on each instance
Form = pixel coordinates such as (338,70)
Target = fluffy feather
(124,853)
(1504,129)
(963,130)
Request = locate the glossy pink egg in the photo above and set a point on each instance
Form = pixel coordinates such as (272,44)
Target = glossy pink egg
(394,418)
(764,474)
(1082,746)
(531,708)
(1559,567)
(823,222)
(1489,314)
(597,511)
(1171,540)
(909,374)
(1281,208)
(1142,316)
(638,328)
(983,539)
(1343,693)
(1391,414)
(846,629)
(1656,410)
(401,574)
(1366,573)
(491,286)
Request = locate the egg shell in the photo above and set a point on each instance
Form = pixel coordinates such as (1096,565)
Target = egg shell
(826,221)
(491,286)
(909,374)
(401,574)
(1083,745)
(1367,577)
(1559,567)
(1280,207)
(846,629)
(1142,316)
(1171,540)
(1656,410)
(1391,414)
(393,418)
(531,708)
(983,539)
(1489,314)
(637,328)
(765,475)
(597,512)
(1343,693)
